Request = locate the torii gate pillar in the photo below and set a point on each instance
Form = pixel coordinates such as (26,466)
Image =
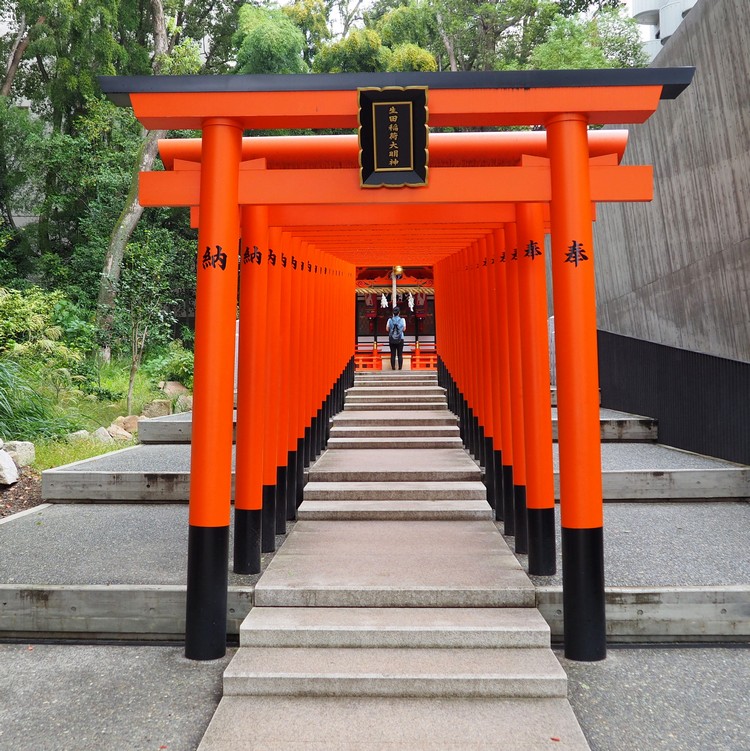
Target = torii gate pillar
(213,401)
(581,509)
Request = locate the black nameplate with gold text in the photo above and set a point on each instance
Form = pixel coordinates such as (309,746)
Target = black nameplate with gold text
(393,133)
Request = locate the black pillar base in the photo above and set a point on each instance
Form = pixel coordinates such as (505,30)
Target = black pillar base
(522,525)
(497,460)
(308,447)
(247,531)
(509,508)
(583,594)
(206,606)
(280,500)
(268,525)
(542,558)
(489,471)
(300,470)
(291,486)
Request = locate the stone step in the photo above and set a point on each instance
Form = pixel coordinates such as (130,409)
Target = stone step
(370,723)
(412,628)
(312,671)
(614,426)
(404,379)
(403,376)
(390,406)
(395,397)
(398,389)
(397,417)
(389,431)
(395,465)
(389,491)
(631,472)
(423,510)
(405,442)
(394,564)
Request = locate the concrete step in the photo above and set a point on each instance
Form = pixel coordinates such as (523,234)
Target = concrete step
(387,431)
(316,490)
(291,671)
(390,406)
(394,564)
(395,465)
(395,397)
(405,442)
(397,389)
(631,472)
(359,723)
(615,426)
(397,417)
(403,376)
(413,628)
(423,510)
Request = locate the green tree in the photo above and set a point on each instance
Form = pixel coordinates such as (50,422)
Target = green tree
(360,52)
(312,18)
(269,42)
(608,40)
(412,57)
(143,311)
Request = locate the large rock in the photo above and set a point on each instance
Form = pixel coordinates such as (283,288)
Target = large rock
(102,436)
(184,403)
(8,469)
(118,433)
(158,408)
(173,388)
(23,453)
(79,435)
(129,423)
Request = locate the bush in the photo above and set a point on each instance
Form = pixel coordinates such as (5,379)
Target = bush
(28,331)
(175,364)
(24,413)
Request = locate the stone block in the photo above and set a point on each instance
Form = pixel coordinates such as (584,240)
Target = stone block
(158,408)
(118,433)
(23,453)
(8,469)
(184,403)
(79,435)
(173,388)
(101,435)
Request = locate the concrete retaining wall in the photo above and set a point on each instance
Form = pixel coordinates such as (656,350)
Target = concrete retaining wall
(677,271)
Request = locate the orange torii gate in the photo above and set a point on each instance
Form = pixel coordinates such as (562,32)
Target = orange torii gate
(565,103)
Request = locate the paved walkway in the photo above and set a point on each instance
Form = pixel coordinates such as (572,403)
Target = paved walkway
(414,627)
(138,697)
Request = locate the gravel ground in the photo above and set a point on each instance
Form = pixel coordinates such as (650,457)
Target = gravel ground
(667,544)
(127,698)
(105,698)
(663,699)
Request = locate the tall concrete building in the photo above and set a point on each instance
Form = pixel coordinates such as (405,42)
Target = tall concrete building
(661,17)
(673,275)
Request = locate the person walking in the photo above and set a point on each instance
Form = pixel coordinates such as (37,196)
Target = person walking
(396,326)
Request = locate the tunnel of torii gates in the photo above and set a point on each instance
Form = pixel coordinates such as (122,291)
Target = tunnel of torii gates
(303,221)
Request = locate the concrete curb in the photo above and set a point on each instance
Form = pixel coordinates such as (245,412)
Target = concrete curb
(145,612)
(104,612)
(663,614)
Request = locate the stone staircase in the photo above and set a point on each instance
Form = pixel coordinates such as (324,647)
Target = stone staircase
(394,615)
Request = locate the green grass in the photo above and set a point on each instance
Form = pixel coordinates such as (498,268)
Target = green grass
(51,453)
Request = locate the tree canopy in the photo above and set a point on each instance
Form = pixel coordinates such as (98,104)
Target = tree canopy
(68,158)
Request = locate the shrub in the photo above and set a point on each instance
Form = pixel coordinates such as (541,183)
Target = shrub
(24,413)
(174,364)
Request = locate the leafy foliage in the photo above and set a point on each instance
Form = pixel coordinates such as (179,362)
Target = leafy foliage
(25,414)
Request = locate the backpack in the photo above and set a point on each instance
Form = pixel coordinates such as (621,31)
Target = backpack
(395,333)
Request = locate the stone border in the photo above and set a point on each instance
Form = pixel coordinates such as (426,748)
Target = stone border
(156,612)
(663,614)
